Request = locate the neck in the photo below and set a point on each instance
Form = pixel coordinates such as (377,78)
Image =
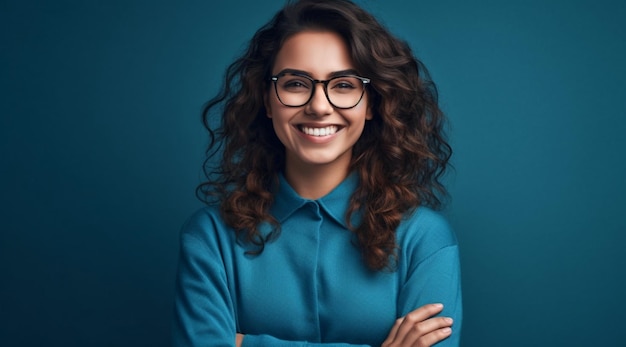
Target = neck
(315,181)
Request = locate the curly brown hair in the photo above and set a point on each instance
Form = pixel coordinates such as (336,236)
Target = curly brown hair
(400,156)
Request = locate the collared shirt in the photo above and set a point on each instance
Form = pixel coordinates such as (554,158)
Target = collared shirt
(310,285)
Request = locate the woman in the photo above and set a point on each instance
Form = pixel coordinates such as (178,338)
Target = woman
(318,227)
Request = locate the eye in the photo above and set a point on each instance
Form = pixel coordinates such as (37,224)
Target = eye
(344,84)
(296,84)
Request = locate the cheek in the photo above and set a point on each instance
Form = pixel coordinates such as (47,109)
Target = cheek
(280,125)
(273,106)
(361,114)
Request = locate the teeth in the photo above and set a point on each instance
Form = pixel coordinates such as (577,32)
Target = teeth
(329,130)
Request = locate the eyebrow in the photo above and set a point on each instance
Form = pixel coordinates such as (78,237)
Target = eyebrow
(331,75)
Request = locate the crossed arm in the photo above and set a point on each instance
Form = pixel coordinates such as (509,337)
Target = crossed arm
(419,328)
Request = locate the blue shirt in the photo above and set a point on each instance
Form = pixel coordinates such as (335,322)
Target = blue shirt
(310,286)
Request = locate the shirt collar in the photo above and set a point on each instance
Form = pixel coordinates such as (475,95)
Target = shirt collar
(335,203)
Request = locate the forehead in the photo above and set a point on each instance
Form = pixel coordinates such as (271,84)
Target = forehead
(317,52)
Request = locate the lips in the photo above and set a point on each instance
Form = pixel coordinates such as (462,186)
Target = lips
(319,131)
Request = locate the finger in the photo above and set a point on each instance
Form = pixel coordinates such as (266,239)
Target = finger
(433,337)
(239,340)
(426,328)
(393,332)
(411,320)
(423,313)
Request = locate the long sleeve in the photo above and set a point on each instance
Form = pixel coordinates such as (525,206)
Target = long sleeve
(269,341)
(432,271)
(204,312)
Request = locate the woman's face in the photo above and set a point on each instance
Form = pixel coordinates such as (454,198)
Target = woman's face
(316,133)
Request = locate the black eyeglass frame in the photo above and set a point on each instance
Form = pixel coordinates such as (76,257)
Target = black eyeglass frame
(364,80)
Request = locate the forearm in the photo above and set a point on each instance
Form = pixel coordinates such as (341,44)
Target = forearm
(270,341)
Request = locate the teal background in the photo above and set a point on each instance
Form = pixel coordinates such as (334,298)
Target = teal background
(101,147)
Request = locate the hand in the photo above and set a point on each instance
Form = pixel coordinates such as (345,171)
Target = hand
(419,328)
(238,340)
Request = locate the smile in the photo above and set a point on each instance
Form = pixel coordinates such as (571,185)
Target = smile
(325,131)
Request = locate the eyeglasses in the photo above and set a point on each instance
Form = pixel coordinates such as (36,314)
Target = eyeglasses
(296,90)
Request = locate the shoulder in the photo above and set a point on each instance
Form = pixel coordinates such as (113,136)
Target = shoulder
(205,224)
(424,232)
(424,221)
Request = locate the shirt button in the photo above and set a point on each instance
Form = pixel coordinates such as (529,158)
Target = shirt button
(313,207)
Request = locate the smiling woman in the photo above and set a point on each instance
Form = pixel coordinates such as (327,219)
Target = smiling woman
(319,226)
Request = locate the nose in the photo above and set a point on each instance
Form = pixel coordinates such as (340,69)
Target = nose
(319,105)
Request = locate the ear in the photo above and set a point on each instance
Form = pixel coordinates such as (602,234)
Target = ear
(369,114)
(266,102)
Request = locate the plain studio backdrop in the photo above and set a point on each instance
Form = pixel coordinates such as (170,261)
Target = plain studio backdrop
(102,145)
